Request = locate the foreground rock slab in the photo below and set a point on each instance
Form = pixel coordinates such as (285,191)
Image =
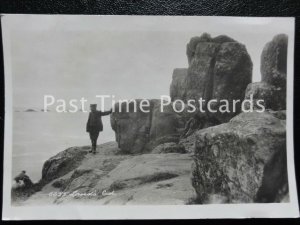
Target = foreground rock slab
(113,178)
(241,161)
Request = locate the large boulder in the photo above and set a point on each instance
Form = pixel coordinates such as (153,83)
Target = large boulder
(273,97)
(274,61)
(219,68)
(166,125)
(63,163)
(241,161)
(132,125)
(139,132)
(55,167)
(273,68)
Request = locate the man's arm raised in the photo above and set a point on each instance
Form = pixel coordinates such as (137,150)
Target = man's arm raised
(105,113)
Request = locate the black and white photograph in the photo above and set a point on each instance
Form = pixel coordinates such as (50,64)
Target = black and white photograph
(124,116)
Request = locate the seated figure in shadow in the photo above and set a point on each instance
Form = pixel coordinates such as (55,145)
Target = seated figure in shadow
(27,183)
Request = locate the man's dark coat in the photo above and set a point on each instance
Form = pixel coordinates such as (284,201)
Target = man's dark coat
(94,123)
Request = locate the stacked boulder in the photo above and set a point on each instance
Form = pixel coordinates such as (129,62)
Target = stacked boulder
(219,68)
(272,88)
(244,160)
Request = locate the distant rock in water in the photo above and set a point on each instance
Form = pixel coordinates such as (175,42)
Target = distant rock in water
(241,161)
(219,68)
(30,110)
(47,110)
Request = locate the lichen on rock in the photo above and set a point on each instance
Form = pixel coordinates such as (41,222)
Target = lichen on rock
(238,161)
(62,163)
(139,132)
(219,68)
(272,88)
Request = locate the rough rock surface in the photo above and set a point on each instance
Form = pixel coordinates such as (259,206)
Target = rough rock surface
(189,142)
(139,132)
(272,89)
(240,161)
(170,147)
(219,68)
(243,160)
(281,114)
(274,61)
(63,162)
(132,129)
(110,177)
(274,98)
(166,125)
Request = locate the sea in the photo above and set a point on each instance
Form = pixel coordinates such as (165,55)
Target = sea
(38,135)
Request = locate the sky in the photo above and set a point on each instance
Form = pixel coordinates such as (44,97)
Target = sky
(130,57)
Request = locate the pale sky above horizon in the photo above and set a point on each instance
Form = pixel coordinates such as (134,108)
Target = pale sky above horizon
(129,57)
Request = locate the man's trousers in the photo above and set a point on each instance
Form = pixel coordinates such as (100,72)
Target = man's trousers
(94,134)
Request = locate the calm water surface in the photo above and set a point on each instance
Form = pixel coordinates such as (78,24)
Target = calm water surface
(38,135)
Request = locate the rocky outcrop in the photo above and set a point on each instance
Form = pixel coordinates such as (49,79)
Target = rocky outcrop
(63,163)
(281,114)
(139,132)
(166,125)
(219,68)
(112,178)
(189,142)
(273,97)
(272,88)
(20,192)
(241,161)
(273,65)
(170,147)
(55,167)
(132,126)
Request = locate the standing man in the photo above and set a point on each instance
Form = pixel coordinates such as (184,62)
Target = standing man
(94,125)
